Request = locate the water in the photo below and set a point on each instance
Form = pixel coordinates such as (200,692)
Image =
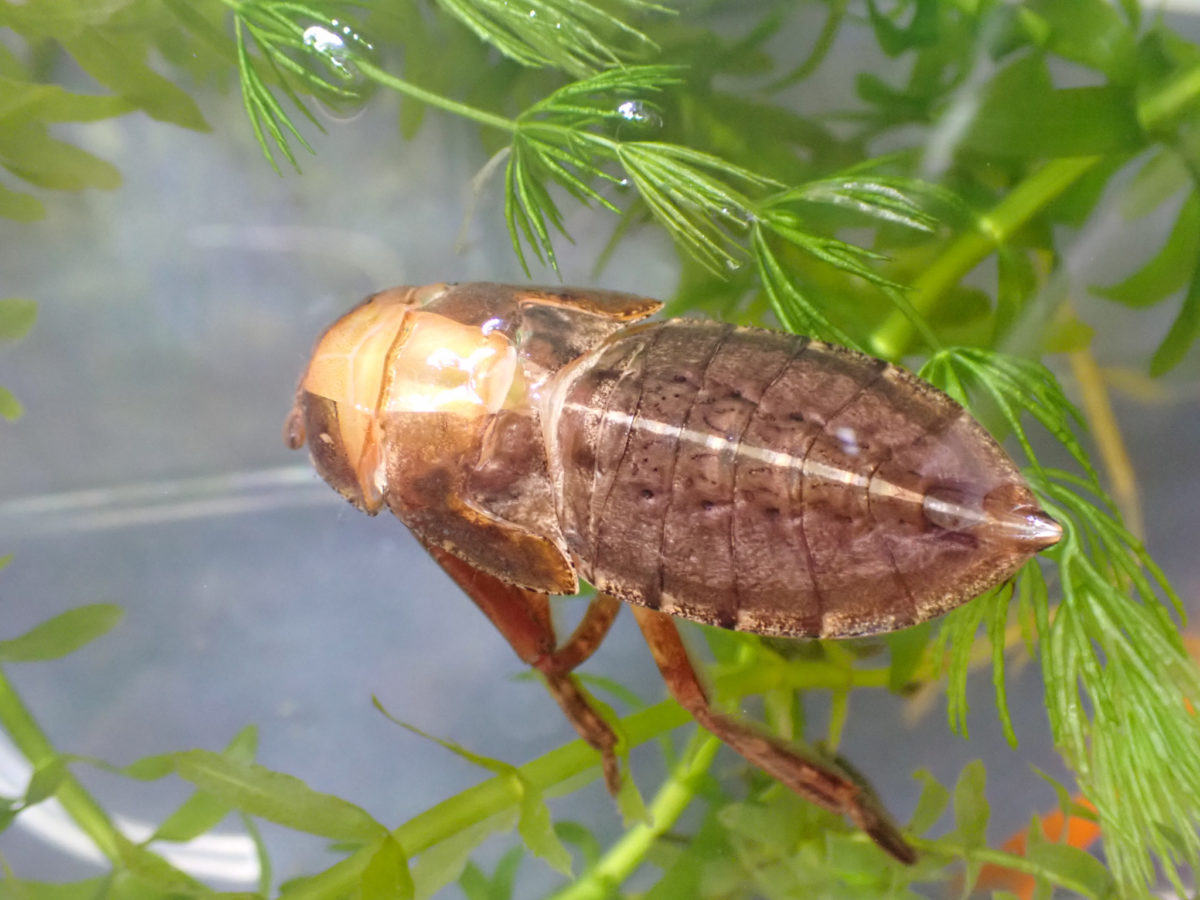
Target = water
(149,470)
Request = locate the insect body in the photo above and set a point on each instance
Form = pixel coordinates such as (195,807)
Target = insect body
(734,476)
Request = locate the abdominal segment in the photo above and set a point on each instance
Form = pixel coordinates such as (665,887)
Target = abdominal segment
(766,482)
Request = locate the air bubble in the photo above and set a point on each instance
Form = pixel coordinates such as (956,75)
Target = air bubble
(640,113)
(334,78)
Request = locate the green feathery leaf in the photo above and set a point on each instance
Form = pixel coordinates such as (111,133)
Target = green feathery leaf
(1119,684)
(575,36)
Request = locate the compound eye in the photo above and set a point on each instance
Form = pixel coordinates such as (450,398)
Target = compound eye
(319,418)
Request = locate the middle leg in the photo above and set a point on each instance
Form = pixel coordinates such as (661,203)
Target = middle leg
(523,617)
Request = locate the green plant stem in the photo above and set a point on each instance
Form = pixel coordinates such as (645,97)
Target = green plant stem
(485,800)
(23,729)
(473,113)
(892,338)
(1098,409)
(622,859)
(1170,99)
(796,674)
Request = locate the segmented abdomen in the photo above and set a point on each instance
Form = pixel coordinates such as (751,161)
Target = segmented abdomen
(766,482)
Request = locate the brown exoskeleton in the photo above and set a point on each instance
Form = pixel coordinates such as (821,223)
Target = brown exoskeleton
(742,478)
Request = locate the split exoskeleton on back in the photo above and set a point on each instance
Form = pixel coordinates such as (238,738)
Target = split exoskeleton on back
(738,477)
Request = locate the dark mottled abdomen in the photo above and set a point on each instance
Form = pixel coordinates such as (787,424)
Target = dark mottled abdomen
(766,482)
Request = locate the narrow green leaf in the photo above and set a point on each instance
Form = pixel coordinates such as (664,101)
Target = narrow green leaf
(930,805)
(10,406)
(1118,688)
(958,631)
(244,744)
(63,634)
(1088,32)
(448,860)
(600,90)
(30,153)
(1163,176)
(794,309)
(611,686)
(1016,386)
(8,813)
(16,318)
(579,836)
(25,101)
(907,651)
(197,815)
(116,60)
(537,830)
(265,875)
(473,883)
(1016,283)
(679,206)
(150,768)
(386,876)
(691,873)
(630,803)
(13,888)
(276,797)
(971,806)
(412,117)
(996,620)
(195,21)
(20,207)
(575,36)
(877,198)
(1071,864)
(1183,331)
(505,875)
(151,868)
(893,39)
(1023,115)
(1169,269)
(45,780)
(534,824)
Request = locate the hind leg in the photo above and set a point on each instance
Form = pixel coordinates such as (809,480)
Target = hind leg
(815,781)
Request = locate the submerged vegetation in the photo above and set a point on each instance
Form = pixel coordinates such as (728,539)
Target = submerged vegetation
(1002,127)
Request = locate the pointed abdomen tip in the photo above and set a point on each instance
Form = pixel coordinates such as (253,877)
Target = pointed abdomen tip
(1037,530)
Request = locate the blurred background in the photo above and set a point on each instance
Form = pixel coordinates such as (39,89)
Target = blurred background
(175,315)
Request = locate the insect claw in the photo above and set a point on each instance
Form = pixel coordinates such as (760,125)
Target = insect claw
(612,771)
(884,833)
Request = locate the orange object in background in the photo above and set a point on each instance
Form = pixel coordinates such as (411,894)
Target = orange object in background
(1079,832)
